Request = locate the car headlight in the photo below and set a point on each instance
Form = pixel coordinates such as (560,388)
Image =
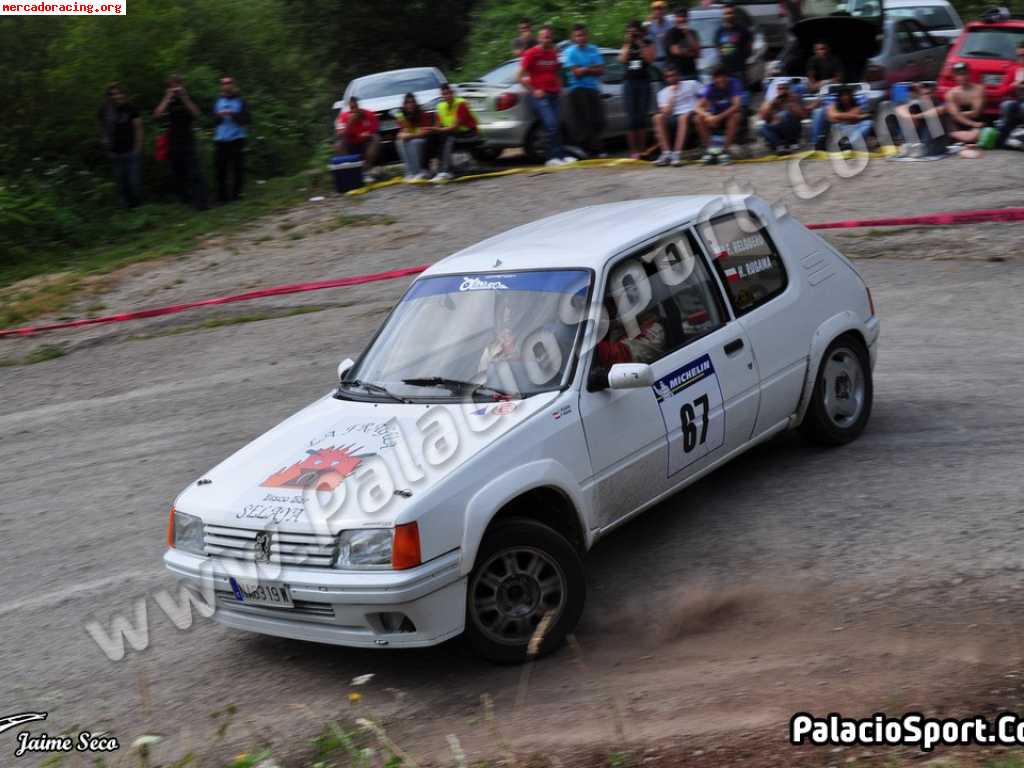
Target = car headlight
(188,532)
(367,548)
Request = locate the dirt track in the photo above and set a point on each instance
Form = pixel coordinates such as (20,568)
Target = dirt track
(883,576)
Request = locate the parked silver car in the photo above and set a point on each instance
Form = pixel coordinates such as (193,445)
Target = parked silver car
(383,92)
(939,17)
(506,120)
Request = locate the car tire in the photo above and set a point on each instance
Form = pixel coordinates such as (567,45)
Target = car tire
(843,392)
(486,154)
(523,570)
(536,147)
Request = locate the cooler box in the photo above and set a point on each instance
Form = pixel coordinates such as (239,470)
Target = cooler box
(347,171)
(900,93)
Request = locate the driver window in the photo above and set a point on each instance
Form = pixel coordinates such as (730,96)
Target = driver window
(658,301)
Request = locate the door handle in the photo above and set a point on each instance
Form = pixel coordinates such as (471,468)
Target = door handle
(733,347)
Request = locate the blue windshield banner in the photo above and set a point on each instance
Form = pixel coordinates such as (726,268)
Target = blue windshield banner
(561,281)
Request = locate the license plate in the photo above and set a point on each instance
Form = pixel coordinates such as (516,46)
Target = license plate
(992,79)
(274,595)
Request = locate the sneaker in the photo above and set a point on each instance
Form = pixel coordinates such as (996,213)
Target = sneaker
(1014,143)
(568,160)
(553,162)
(725,158)
(708,158)
(663,159)
(677,161)
(421,176)
(442,177)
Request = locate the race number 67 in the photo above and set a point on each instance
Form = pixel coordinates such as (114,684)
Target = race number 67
(692,436)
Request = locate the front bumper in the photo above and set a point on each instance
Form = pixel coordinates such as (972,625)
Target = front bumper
(352,608)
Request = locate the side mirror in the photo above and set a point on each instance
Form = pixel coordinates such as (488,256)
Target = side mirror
(630,376)
(344,367)
(597,380)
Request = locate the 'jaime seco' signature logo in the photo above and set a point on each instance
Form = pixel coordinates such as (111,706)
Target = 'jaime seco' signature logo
(43,743)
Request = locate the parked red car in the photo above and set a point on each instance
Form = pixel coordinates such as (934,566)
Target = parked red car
(989,48)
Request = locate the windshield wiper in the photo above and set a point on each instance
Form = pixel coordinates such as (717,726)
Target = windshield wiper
(375,388)
(456,386)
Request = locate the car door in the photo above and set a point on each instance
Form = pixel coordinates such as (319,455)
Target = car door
(905,63)
(665,308)
(767,304)
(931,51)
(612,87)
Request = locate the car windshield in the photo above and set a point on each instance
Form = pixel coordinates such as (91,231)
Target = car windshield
(395,84)
(706,30)
(930,16)
(491,335)
(992,43)
(503,75)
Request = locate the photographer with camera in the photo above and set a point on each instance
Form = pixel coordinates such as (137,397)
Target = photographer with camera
(637,54)
(179,113)
(782,116)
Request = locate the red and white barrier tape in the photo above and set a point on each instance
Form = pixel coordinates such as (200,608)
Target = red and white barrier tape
(935,220)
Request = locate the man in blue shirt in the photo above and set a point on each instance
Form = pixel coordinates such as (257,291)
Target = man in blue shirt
(585,65)
(231,114)
(720,109)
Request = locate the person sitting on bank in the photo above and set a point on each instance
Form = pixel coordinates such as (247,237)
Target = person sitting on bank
(846,116)
(963,106)
(415,127)
(676,104)
(782,116)
(455,124)
(919,122)
(357,130)
(720,110)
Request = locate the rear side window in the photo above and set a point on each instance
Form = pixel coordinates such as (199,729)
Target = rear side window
(931,16)
(746,259)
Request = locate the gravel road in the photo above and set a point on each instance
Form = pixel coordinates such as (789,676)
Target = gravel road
(885,574)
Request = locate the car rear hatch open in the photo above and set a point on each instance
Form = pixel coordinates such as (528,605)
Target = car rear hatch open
(854,39)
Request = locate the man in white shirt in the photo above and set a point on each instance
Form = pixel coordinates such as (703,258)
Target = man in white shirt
(676,103)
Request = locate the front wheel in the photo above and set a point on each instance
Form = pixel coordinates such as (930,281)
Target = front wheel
(524,572)
(843,392)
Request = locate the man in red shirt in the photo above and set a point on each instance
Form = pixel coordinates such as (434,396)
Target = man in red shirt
(540,73)
(357,133)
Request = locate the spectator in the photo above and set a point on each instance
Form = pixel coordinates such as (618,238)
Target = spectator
(231,114)
(585,65)
(658,25)
(720,109)
(963,106)
(636,55)
(734,42)
(539,73)
(823,68)
(845,116)
(1011,112)
(121,127)
(919,122)
(524,40)
(180,113)
(357,131)
(455,123)
(782,116)
(677,103)
(415,128)
(683,46)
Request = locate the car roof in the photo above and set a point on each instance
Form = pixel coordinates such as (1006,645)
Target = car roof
(587,237)
(393,72)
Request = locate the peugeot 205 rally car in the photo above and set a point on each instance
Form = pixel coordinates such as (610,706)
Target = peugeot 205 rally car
(524,398)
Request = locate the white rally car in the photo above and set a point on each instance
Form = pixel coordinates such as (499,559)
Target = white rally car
(525,397)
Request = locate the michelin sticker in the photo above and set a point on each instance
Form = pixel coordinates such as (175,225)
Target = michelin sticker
(691,402)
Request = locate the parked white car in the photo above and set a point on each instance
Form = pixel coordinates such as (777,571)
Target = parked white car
(526,397)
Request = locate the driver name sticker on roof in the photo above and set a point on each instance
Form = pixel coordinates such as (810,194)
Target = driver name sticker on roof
(691,403)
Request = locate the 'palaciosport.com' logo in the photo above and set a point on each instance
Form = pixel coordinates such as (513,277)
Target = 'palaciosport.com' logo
(41,743)
(911,729)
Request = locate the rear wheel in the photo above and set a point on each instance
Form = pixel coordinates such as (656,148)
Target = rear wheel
(486,154)
(525,573)
(843,392)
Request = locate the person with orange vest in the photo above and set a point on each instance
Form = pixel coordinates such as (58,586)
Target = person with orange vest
(455,123)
